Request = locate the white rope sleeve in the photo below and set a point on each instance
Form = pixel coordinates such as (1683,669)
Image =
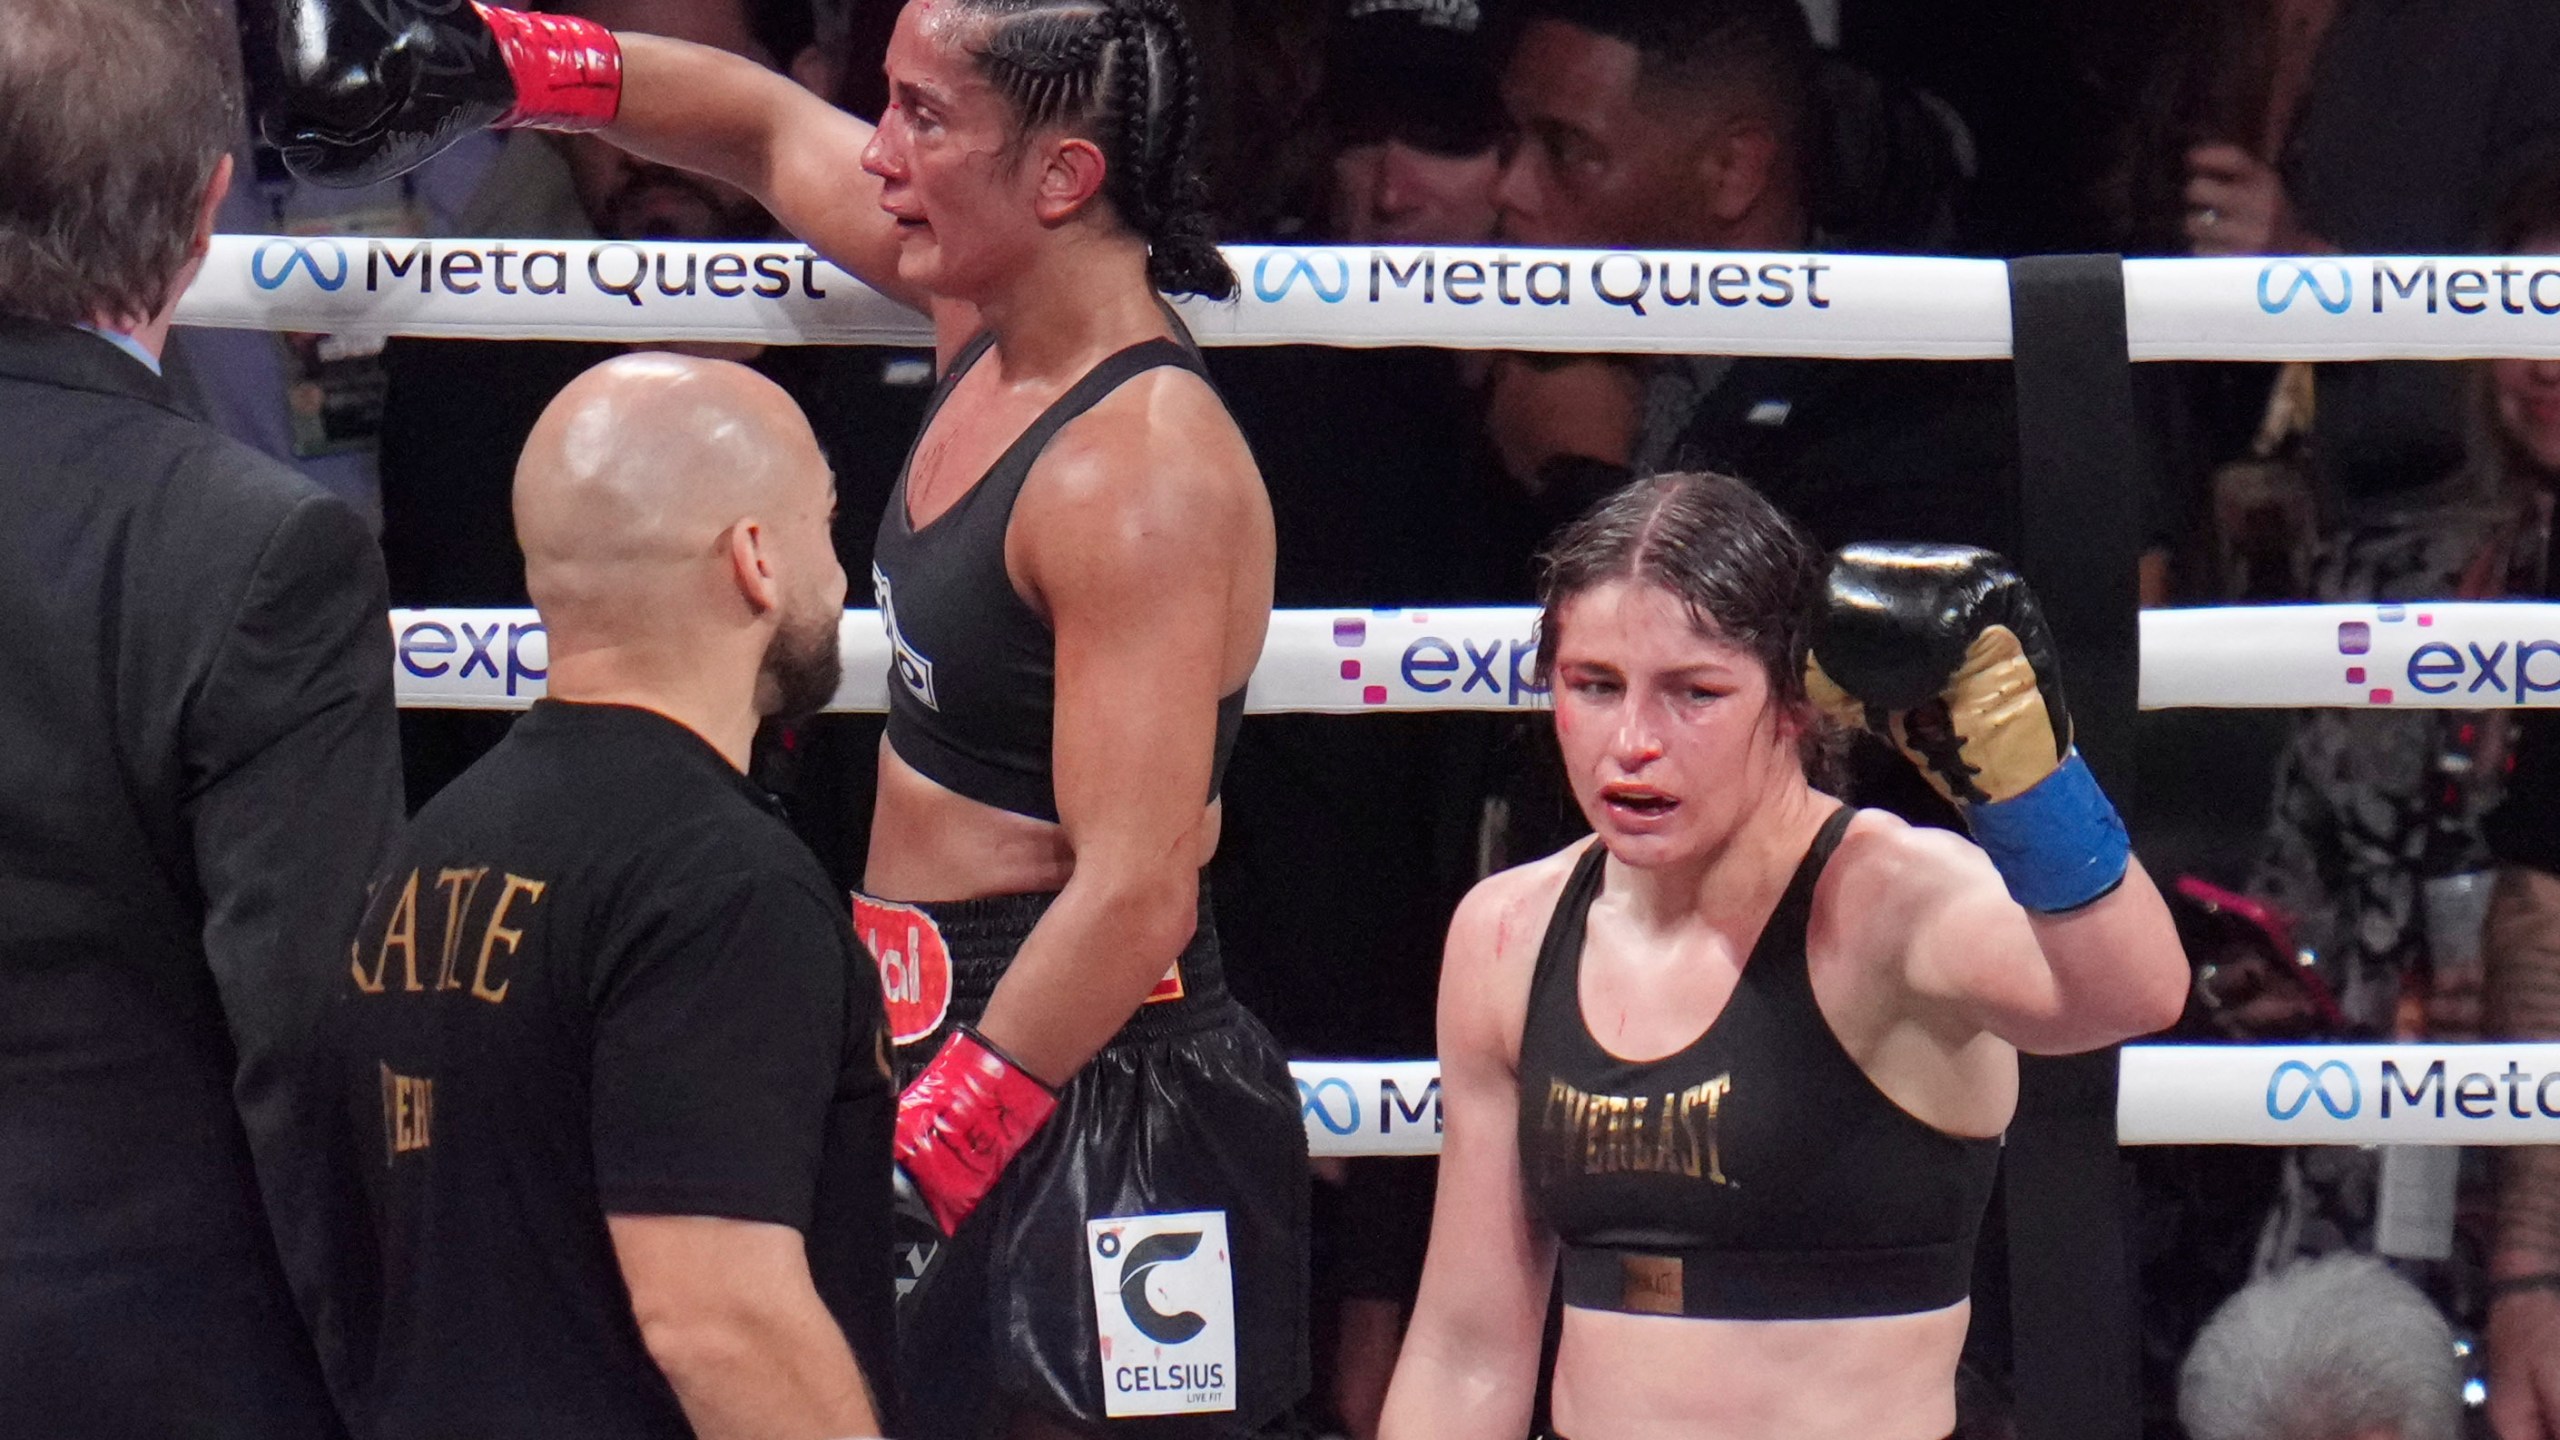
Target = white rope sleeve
(2166,1095)
(2453,656)
(1565,301)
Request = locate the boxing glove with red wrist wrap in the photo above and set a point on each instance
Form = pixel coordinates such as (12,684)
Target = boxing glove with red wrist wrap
(369,90)
(963,1121)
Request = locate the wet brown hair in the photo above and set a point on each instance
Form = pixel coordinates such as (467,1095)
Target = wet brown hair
(1744,572)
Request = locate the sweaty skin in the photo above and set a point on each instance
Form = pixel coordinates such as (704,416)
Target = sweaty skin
(1928,975)
(1143,535)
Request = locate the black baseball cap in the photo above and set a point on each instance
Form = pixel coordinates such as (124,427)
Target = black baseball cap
(1419,71)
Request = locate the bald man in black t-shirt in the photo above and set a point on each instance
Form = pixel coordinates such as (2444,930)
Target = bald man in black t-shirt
(610,1057)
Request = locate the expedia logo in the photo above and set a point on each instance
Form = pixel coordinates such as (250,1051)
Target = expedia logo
(1143,1258)
(1312,1104)
(305,255)
(1294,266)
(2281,282)
(2296,1083)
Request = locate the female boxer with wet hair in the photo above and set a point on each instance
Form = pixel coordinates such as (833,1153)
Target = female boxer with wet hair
(1740,1063)
(1076,568)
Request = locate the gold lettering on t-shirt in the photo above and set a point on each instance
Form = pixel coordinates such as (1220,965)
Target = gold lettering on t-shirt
(401,930)
(459,887)
(496,931)
(1665,1133)
(408,1113)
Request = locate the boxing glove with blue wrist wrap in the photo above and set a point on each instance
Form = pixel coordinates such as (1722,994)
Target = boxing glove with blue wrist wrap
(1942,651)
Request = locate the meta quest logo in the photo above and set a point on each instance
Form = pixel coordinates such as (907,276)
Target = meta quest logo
(2498,672)
(2405,284)
(2300,1089)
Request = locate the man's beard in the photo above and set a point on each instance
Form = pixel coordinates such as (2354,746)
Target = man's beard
(801,668)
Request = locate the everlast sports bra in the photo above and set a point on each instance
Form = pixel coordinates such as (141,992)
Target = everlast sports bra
(973,701)
(1756,1175)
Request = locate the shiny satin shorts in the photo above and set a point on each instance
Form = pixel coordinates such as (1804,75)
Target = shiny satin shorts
(1142,1265)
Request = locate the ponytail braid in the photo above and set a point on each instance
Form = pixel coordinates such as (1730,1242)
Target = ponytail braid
(1182,251)
(1124,71)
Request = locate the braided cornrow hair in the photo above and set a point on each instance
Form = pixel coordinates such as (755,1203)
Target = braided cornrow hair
(1123,73)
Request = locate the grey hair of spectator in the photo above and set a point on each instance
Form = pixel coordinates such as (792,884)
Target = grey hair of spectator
(113,115)
(2335,1349)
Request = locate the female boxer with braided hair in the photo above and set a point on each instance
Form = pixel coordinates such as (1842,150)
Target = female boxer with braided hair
(1076,571)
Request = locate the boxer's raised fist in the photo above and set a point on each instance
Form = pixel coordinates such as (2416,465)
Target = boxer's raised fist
(368,89)
(1942,650)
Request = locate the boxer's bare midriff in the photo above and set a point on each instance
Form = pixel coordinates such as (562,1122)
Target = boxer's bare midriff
(930,843)
(1651,1377)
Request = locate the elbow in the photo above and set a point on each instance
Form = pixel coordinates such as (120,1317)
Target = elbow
(2159,998)
(1154,911)
(695,1347)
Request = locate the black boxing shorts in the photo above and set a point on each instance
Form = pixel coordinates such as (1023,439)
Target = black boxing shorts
(1142,1264)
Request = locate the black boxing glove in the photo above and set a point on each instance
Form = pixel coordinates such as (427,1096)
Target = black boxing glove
(1942,650)
(368,89)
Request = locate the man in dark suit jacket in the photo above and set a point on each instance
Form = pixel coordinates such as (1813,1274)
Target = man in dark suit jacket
(198,770)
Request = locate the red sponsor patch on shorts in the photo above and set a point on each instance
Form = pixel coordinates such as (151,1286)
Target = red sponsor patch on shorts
(1168,988)
(915,966)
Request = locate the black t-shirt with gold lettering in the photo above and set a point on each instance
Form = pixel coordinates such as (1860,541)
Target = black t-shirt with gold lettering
(600,977)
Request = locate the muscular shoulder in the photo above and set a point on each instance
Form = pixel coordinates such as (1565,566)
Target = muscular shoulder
(1159,453)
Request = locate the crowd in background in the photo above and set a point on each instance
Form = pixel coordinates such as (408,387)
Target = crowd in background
(2338,864)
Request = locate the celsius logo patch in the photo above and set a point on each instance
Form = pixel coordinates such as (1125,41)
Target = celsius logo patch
(1164,1307)
(1141,1261)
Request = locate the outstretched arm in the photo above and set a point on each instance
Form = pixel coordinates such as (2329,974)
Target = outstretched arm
(366,89)
(702,109)
(1470,1362)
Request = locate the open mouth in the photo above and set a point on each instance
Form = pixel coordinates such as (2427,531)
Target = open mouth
(1638,802)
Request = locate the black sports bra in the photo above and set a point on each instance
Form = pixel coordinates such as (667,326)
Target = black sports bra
(1757,1174)
(973,690)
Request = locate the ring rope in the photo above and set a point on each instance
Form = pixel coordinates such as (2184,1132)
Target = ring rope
(2444,307)
(2455,656)
(2166,1095)
(2466,656)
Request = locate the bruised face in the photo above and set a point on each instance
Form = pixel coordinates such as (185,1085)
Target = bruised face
(953,173)
(1670,736)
